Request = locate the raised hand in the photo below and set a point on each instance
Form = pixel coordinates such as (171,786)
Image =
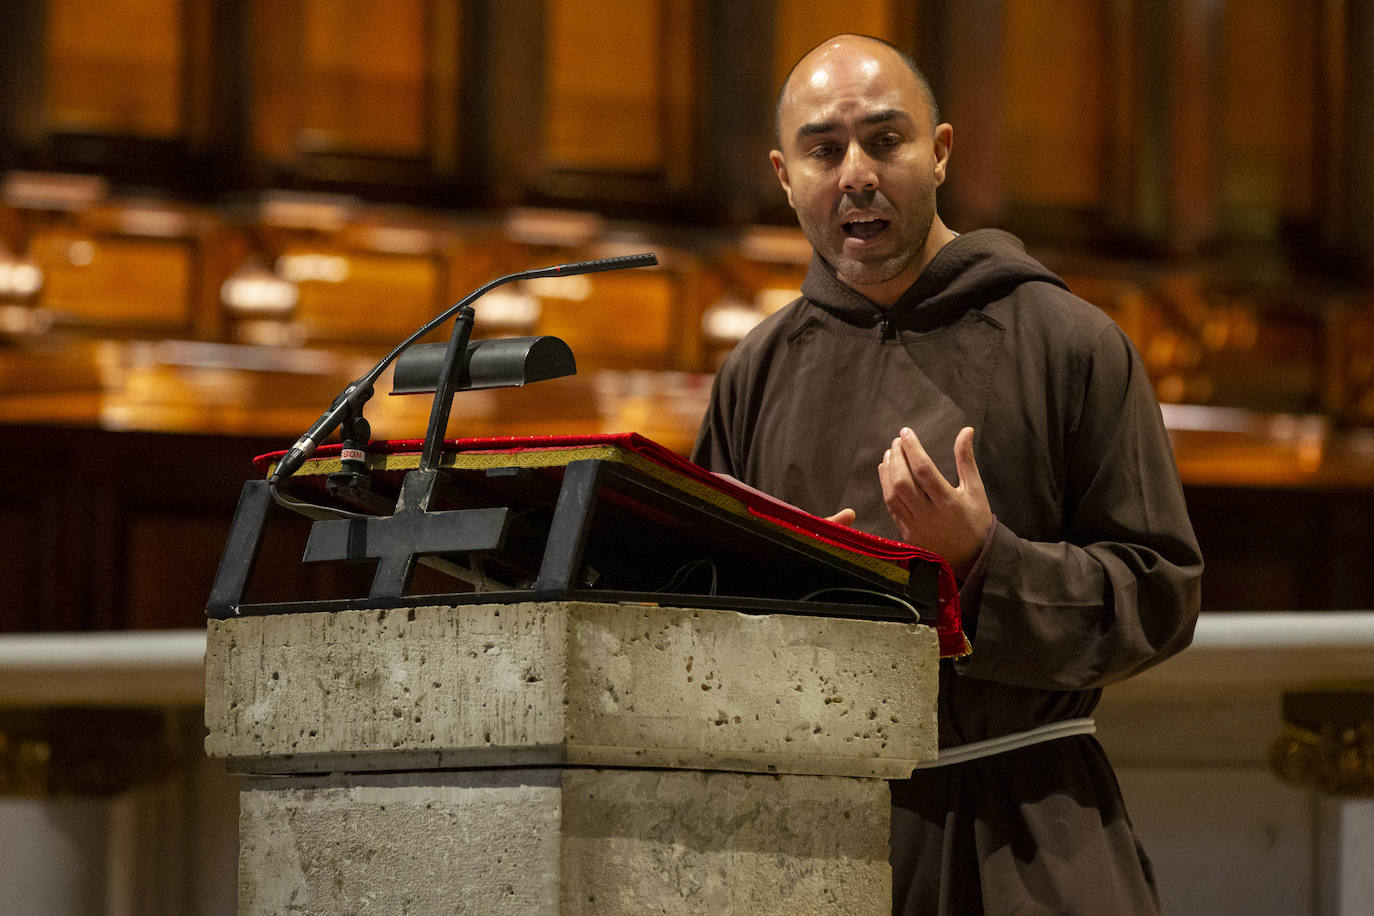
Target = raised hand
(950,520)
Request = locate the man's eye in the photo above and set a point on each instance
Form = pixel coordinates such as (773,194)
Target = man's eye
(824,150)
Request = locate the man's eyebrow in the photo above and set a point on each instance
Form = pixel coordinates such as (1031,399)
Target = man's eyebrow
(814,128)
(878,117)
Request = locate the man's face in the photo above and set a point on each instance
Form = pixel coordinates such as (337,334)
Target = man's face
(860,163)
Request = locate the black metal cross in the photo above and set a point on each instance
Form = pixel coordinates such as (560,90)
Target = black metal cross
(411,531)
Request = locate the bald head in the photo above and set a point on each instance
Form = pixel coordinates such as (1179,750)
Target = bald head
(847,42)
(860,156)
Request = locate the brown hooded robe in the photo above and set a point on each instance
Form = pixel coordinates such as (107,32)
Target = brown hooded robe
(1091,573)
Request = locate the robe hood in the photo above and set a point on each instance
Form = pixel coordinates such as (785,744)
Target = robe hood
(973,269)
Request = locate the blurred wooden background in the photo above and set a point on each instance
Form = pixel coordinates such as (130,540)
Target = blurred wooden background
(214,214)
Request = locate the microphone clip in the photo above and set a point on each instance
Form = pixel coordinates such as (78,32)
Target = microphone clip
(353,481)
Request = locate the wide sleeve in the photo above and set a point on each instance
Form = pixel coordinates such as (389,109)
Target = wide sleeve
(1121,591)
(717,444)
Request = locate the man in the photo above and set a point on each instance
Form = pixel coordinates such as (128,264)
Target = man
(915,357)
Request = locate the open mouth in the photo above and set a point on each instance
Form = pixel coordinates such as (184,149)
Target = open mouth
(864,229)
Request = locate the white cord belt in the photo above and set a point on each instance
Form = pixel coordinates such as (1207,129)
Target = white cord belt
(1003,743)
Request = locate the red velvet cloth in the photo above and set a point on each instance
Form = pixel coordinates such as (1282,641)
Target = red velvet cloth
(762,506)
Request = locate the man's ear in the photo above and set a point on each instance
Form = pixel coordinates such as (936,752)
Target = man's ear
(780,167)
(944,143)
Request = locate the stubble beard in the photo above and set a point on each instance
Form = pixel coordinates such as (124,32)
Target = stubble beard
(857,272)
(854,271)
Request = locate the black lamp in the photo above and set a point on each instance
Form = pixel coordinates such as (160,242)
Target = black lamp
(510,362)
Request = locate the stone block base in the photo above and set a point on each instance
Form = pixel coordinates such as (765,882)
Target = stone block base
(564,841)
(570,684)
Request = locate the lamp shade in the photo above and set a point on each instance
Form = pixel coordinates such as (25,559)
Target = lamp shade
(501,363)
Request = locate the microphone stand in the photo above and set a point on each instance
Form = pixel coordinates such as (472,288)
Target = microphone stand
(352,399)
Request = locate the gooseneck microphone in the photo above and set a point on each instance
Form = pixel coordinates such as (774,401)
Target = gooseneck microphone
(353,397)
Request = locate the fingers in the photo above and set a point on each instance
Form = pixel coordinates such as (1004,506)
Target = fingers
(899,504)
(905,475)
(970,480)
(843,517)
(952,521)
(901,493)
(925,476)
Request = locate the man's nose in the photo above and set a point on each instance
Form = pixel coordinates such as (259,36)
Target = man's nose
(856,171)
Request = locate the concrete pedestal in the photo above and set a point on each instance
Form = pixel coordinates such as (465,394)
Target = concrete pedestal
(567,758)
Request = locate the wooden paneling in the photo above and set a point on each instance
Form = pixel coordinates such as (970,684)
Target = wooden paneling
(116,68)
(617,107)
(379,297)
(1055,78)
(110,282)
(1355,198)
(342,75)
(629,319)
(136,92)
(1178,124)
(801,25)
(156,594)
(365,87)
(604,91)
(1283,549)
(975,193)
(1349,362)
(1205,345)
(123,530)
(1270,91)
(350,92)
(26,562)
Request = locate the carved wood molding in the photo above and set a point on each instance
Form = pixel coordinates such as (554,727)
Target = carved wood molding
(1327,743)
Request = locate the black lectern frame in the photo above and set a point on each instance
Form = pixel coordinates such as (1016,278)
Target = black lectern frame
(594,529)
